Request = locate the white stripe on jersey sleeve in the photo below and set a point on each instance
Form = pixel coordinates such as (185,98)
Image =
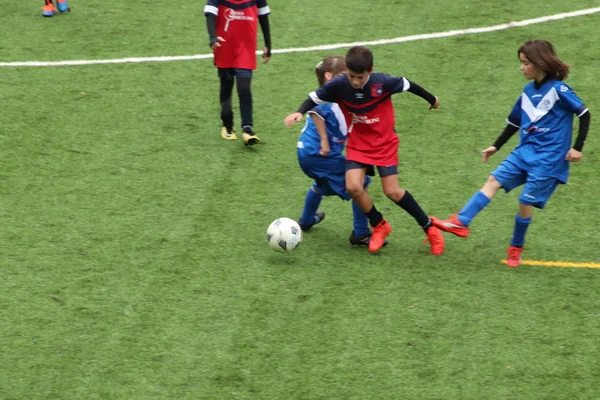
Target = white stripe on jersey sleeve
(316,113)
(339,115)
(510,123)
(211,10)
(406,84)
(264,10)
(313,96)
(583,112)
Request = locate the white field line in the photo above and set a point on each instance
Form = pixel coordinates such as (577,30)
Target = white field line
(316,48)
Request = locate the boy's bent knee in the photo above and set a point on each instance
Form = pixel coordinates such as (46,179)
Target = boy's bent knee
(491,186)
(492,182)
(394,194)
(354,190)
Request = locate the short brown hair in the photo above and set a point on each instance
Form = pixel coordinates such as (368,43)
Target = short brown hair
(542,54)
(359,59)
(333,64)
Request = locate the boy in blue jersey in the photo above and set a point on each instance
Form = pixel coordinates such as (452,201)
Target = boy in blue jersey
(544,115)
(320,149)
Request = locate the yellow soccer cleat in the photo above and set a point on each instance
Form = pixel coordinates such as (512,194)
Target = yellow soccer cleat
(250,139)
(228,135)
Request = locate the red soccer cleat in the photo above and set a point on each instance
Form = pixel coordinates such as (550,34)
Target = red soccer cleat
(48,10)
(435,239)
(514,256)
(380,232)
(452,225)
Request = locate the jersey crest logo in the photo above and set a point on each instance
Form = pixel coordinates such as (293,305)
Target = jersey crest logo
(232,15)
(376,89)
(564,88)
(546,105)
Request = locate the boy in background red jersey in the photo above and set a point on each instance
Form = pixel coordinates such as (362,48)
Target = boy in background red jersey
(232,29)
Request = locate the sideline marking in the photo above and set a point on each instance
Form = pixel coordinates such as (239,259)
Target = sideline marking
(402,39)
(562,264)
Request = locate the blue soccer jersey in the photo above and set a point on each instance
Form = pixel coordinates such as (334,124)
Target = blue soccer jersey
(544,113)
(335,123)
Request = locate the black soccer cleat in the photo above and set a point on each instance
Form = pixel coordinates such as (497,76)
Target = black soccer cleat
(318,217)
(362,240)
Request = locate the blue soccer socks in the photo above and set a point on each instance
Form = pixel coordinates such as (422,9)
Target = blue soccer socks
(361,222)
(477,203)
(311,204)
(63,6)
(521,225)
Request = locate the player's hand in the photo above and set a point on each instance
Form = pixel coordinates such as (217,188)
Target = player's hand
(292,118)
(265,56)
(217,44)
(487,153)
(325,149)
(436,104)
(574,155)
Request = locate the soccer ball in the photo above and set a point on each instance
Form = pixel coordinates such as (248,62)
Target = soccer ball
(284,234)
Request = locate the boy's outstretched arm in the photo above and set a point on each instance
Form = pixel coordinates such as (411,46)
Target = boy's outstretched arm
(399,84)
(433,101)
(306,106)
(576,152)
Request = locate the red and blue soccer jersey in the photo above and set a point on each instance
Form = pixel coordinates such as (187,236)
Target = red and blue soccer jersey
(237,23)
(369,114)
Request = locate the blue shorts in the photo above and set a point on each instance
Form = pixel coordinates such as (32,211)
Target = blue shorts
(230,73)
(329,174)
(538,188)
(383,171)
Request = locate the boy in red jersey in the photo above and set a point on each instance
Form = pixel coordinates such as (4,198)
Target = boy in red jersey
(232,30)
(364,98)
(48,9)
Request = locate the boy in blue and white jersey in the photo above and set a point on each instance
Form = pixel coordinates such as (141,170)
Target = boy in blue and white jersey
(320,155)
(544,116)
(336,128)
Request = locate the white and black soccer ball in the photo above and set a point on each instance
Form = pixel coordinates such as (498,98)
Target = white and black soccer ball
(284,234)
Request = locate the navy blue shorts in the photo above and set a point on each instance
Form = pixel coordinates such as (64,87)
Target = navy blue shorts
(383,171)
(230,73)
(538,188)
(329,174)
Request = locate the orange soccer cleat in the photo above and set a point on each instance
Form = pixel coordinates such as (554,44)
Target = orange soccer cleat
(514,256)
(380,232)
(435,239)
(452,225)
(48,10)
